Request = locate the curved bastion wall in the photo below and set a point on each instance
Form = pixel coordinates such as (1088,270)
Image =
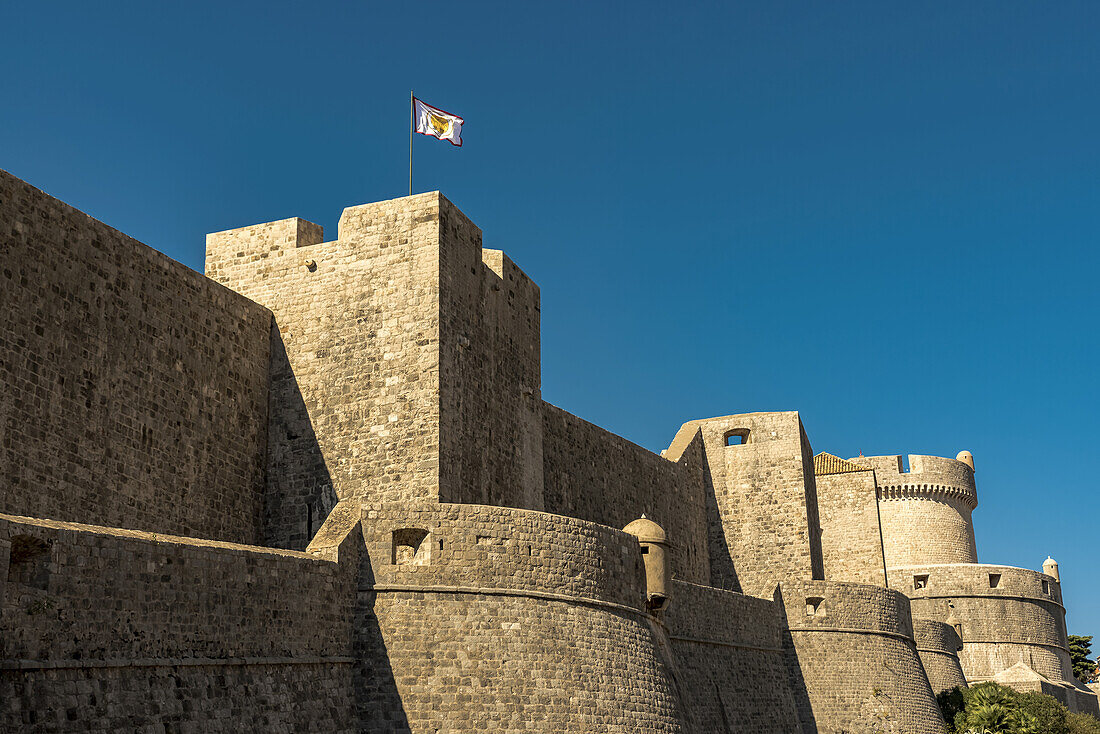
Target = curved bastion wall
(926,511)
(938,646)
(507,619)
(730,660)
(1006,615)
(850,647)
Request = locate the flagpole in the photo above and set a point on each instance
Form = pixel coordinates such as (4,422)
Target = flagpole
(412,126)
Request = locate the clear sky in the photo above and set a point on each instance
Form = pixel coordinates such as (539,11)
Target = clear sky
(883,215)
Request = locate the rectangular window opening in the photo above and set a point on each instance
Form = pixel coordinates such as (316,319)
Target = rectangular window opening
(920,581)
(813,605)
(994,580)
(737,437)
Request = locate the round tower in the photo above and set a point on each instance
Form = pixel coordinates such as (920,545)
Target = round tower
(925,509)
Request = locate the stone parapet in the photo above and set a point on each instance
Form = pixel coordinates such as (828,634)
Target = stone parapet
(510,620)
(122,630)
(932,476)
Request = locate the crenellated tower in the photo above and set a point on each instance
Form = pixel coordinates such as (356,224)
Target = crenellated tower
(925,509)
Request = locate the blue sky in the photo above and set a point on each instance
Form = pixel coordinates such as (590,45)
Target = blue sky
(882,215)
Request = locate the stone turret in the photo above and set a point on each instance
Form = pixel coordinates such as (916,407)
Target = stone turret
(658,574)
(1050,568)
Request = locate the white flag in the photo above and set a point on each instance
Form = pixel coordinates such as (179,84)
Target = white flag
(437,123)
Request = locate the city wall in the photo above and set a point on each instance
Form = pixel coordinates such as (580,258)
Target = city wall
(851,648)
(1006,615)
(938,646)
(762,515)
(593,474)
(730,660)
(509,619)
(109,629)
(851,539)
(135,390)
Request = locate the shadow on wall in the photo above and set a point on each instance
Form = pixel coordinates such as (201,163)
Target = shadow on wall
(723,572)
(298,492)
(794,672)
(377,699)
(298,499)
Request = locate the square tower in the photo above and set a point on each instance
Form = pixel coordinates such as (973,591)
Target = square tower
(405,364)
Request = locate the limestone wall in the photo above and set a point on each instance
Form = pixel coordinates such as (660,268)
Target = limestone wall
(851,543)
(106,629)
(762,520)
(1008,615)
(850,647)
(730,661)
(407,362)
(595,475)
(926,512)
(135,390)
(938,646)
(510,620)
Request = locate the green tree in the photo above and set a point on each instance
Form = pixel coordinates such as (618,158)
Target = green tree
(1048,714)
(989,707)
(1082,724)
(1080,647)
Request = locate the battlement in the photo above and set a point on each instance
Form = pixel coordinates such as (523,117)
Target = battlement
(927,476)
(949,580)
(404,343)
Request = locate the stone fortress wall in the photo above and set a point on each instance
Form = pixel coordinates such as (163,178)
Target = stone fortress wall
(1010,622)
(938,645)
(544,611)
(428,542)
(762,505)
(852,647)
(135,390)
(851,533)
(120,630)
(1005,616)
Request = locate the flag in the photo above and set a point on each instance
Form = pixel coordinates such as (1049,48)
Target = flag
(437,123)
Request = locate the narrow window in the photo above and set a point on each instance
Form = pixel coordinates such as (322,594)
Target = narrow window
(920,581)
(813,605)
(994,580)
(1046,588)
(737,437)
